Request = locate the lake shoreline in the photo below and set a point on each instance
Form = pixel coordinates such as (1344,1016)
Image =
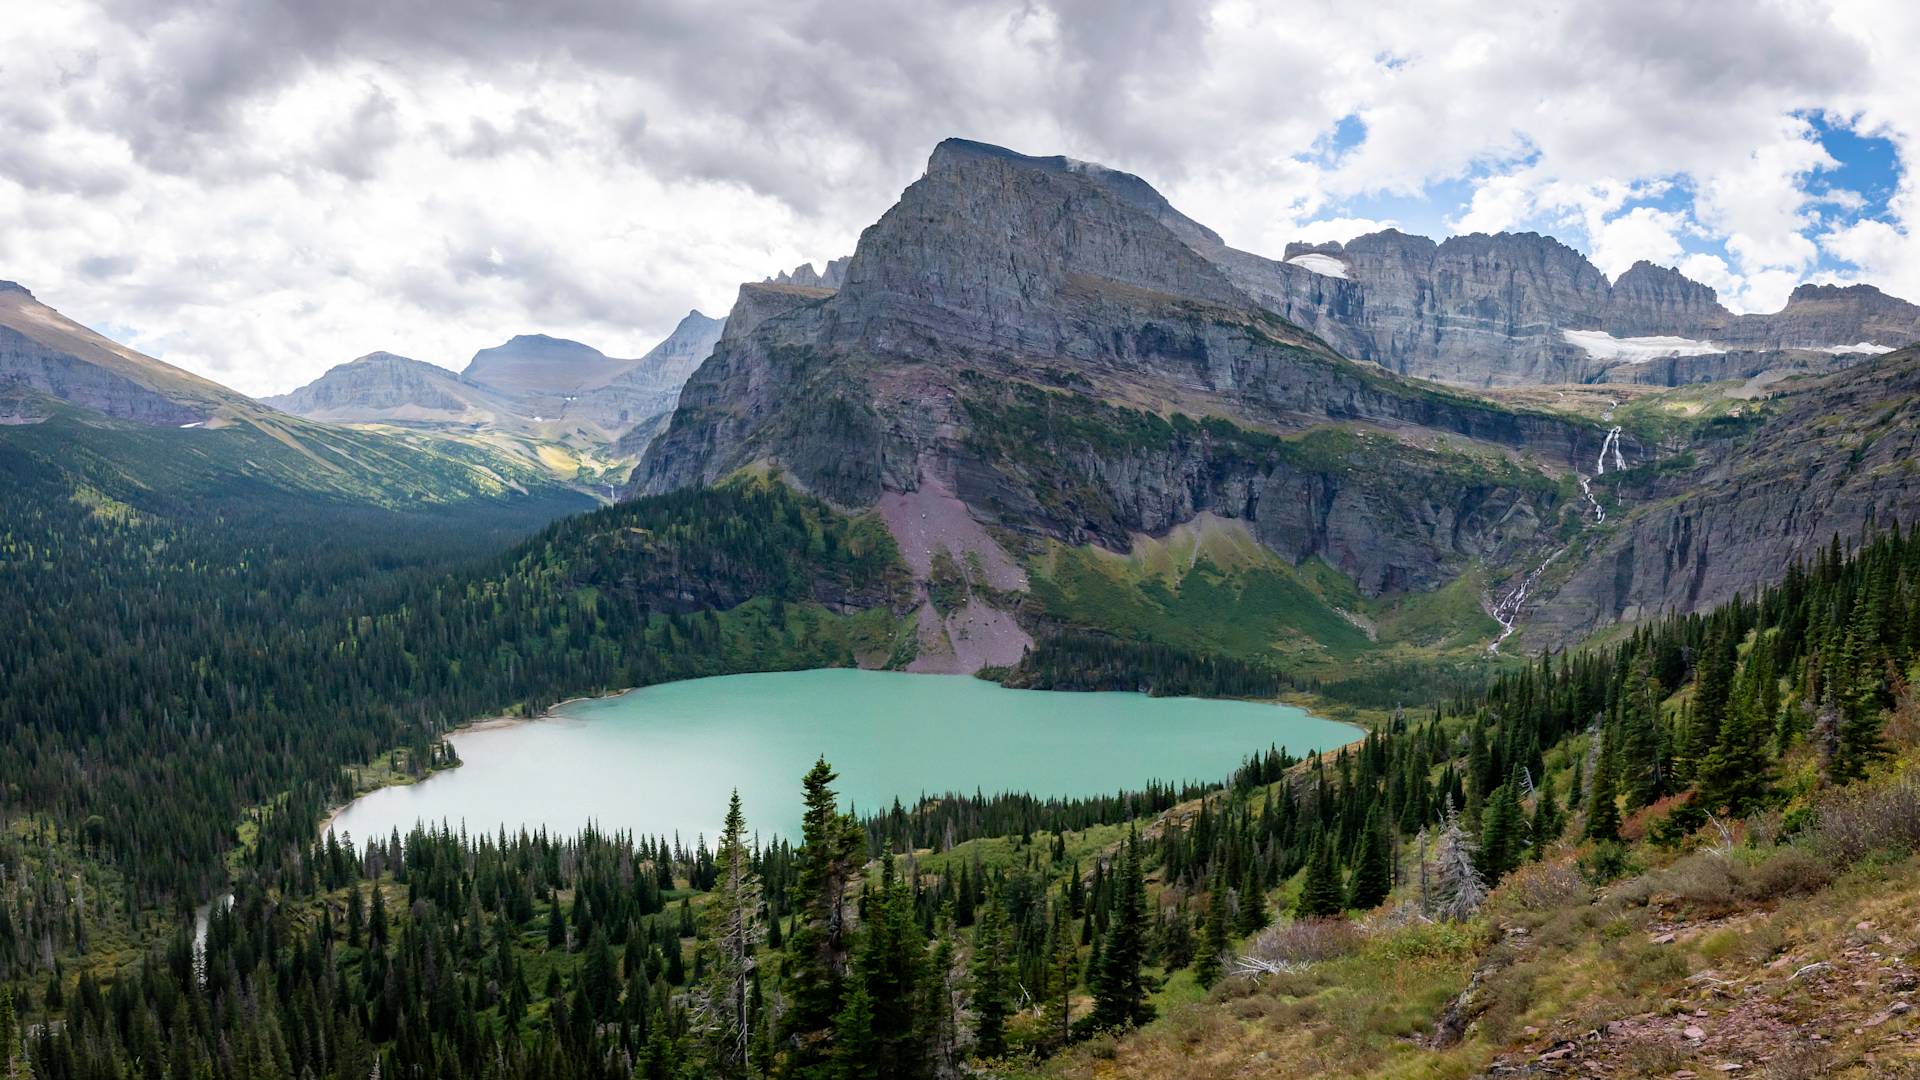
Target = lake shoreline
(500,722)
(1307,705)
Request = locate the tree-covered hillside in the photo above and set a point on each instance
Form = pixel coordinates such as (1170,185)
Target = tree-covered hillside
(197,634)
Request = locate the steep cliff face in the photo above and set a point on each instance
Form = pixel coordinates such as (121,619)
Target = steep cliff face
(46,352)
(1512,309)
(1650,301)
(1040,338)
(1829,316)
(1835,455)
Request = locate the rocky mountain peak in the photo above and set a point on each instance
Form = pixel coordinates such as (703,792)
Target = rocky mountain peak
(1297,248)
(1649,300)
(1851,294)
(985,248)
(960,153)
(15,287)
(1392,241)
(806,276)
(381,356)
(539,363)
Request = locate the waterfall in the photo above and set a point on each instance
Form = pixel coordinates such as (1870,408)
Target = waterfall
(1611,445)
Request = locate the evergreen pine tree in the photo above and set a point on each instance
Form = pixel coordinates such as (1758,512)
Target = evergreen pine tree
(821,941)
(1603,810)
(1056,1015)
(1502,832)
(1252,915)
(1119,986)
(1859,741)
(1320,893)
(1546,819)
(1734,773)
(1639,773)
(1373,869)
(1214,940)
(598,975)
(732,928)
(856,1050)
(989,979)
(1712,692)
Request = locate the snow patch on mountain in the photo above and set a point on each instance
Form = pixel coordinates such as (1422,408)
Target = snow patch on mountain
(1865,347)
(1325,265)
(1634,350)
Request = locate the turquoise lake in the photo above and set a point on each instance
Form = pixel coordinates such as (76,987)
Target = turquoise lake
(663,758)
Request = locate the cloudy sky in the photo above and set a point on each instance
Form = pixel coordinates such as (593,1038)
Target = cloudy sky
(260,189)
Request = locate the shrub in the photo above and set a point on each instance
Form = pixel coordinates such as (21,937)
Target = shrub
(1305,941)
(1796,821)
(1853,821)
(1609,861)
(1790,871)
(1703,879)
(1425,941)
(1541,887)
(1646,967)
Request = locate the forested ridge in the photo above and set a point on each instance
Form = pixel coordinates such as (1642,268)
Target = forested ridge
(177,662)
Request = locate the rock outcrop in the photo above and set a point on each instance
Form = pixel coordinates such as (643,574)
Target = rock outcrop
(806,276)
(649,387)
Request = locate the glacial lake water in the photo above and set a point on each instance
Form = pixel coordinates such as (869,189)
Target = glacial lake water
(663,758)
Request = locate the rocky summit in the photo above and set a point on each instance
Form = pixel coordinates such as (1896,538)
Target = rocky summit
(538,364)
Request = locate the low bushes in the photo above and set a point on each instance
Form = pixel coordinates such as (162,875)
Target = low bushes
(1305,941)
(1714,883)
(1851,822)
(1537,888)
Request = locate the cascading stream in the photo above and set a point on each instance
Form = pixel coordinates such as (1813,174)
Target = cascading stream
(1506,610)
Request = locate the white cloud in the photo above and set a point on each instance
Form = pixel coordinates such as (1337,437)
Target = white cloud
(263,188)
(1338,230)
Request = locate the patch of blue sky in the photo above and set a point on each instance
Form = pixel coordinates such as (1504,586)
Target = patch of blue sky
(1868,167)
(1865,176)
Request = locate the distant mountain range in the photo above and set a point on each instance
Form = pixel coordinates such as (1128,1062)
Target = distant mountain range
(531,379)
(1519,308)
(75,404)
